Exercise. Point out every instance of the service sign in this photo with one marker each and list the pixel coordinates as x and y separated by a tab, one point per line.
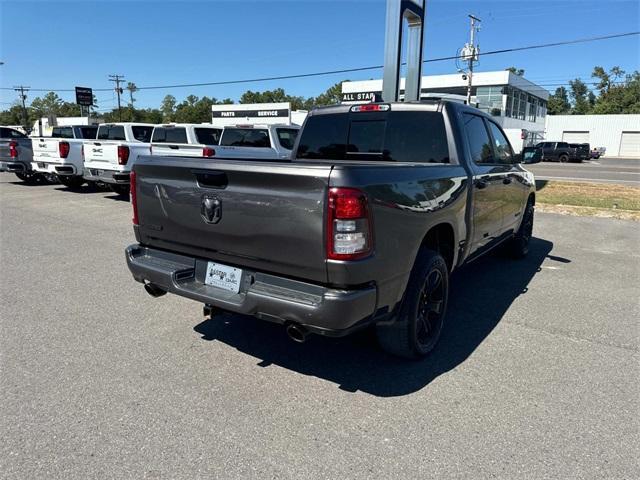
84	96
251	114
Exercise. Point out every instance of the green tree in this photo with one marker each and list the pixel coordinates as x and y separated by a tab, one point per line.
516	71
331	96
579	95
558	103
132	89
168	108
620	98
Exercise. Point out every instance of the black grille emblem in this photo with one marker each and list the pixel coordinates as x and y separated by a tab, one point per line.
211	209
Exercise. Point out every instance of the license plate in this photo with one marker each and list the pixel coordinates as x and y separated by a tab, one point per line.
41	165
222	276
97	173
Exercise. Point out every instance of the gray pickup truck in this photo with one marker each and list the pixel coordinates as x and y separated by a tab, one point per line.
16	153
378	205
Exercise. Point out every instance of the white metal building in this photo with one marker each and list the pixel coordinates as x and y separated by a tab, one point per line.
518	105
619	134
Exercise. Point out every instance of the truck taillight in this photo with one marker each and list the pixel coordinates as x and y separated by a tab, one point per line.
63	149
348	225
13	149
208	152
133	196
123	154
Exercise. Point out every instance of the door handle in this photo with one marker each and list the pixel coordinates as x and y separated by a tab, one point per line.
506	180
174	147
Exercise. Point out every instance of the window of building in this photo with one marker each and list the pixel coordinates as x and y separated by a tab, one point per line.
490	100
533	108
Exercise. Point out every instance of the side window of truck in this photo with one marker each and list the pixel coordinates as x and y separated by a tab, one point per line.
142	133
287	137
479	140
208	136
501	147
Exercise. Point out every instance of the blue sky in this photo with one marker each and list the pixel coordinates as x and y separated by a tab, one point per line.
57	45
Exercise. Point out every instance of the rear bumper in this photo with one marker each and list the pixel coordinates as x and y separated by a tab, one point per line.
322	310
106	176
13	166
58	168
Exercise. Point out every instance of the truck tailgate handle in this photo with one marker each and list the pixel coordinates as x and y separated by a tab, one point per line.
211	178
174	147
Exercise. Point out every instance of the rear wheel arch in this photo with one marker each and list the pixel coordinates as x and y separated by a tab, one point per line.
441	238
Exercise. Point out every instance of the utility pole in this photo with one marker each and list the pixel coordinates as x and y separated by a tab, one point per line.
118	79
23	97
470	53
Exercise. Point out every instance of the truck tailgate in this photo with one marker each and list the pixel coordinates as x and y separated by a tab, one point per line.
266	216
102	151
45	148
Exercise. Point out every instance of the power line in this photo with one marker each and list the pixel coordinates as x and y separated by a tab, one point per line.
352	70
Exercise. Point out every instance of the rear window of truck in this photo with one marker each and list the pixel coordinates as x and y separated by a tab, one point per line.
245	137
111	132
62	132
208	136
88	132
400	136
169	135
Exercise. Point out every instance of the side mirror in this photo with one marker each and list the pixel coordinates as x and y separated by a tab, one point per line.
531	155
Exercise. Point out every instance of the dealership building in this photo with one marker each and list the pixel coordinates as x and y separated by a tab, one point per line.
518	105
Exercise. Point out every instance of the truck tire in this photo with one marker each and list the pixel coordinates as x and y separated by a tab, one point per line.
519	244
120	189
564	158
71	182
416	329
28	177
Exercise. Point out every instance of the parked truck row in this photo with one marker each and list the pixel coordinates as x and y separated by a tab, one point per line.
106	153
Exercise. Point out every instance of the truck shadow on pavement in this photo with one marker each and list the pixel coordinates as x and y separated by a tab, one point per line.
481	293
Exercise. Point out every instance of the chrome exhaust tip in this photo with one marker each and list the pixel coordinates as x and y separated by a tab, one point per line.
297	333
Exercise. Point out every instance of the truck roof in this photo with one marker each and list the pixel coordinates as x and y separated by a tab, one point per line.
126	123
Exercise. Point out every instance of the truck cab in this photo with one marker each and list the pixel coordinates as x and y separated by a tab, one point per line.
108	159
185	139
268	142
61	154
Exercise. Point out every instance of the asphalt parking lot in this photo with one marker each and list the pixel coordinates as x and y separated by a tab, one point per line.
624	171
536	375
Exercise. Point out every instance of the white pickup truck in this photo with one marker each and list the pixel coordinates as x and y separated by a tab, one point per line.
257	141
109	158
61	154
185	140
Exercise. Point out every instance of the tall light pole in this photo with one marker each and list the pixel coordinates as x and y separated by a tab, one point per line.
118	79
470	54
23	97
